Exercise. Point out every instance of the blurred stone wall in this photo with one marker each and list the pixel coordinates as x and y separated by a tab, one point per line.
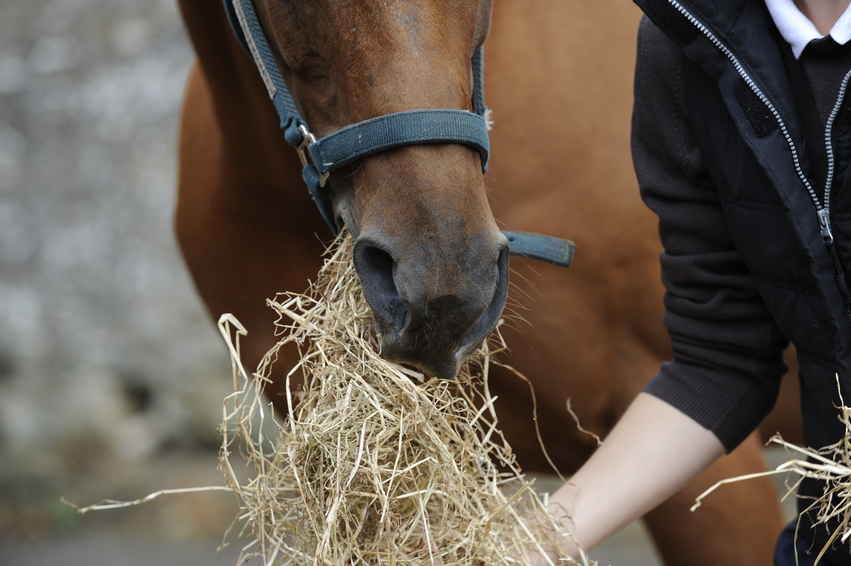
105	352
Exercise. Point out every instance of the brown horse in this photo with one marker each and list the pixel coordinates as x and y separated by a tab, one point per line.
559	80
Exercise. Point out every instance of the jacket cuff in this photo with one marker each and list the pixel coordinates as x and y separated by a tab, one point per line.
730	408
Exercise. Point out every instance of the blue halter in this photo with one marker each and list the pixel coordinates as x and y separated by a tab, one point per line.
320	157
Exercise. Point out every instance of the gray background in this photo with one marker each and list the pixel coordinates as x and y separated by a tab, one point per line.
111	375
104	349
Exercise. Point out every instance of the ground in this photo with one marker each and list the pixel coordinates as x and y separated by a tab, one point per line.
180	530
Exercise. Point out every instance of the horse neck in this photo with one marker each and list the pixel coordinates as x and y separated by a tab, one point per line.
244	116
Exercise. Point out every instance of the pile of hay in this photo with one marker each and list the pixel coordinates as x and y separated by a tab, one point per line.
374	464
831	465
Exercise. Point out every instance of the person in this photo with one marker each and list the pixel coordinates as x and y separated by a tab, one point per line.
741	145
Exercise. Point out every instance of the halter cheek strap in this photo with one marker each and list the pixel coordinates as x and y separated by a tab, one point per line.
320	157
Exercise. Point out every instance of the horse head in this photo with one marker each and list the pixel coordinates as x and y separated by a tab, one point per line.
431	259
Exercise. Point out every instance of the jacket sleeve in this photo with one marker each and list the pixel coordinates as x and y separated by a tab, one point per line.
727	349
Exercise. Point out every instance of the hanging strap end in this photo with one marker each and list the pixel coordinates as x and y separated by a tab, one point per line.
552	250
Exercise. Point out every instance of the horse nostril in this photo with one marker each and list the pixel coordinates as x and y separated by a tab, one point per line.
376	268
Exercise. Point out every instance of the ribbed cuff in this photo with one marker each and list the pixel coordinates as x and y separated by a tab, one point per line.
727	405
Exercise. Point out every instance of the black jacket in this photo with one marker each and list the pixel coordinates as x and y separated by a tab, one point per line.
720	154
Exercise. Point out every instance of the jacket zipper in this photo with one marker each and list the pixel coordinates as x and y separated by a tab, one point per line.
841	278
822	210
828	144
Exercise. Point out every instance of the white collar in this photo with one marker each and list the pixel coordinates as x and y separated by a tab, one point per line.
797	29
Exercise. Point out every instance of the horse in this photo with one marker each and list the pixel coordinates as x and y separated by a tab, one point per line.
427	223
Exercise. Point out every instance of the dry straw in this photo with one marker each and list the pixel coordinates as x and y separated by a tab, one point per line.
374	464
831	465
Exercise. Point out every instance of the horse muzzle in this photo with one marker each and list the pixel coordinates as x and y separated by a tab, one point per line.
428	316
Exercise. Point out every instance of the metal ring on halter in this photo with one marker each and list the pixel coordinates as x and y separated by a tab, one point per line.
308	139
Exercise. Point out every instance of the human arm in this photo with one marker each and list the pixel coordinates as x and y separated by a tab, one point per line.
649	455
727	349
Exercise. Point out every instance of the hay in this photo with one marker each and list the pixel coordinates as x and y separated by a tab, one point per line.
831	464
375	463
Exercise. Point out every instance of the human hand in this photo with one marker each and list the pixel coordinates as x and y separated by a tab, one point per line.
556	545
553	559
538	559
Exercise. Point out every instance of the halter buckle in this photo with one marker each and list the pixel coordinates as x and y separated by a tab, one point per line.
308	139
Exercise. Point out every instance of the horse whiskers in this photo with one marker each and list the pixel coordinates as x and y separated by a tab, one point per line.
515	289
526	278
512	317
517	305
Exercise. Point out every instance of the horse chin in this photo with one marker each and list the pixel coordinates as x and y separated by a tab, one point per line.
442	367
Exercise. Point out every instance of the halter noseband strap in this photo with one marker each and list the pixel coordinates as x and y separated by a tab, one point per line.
320	157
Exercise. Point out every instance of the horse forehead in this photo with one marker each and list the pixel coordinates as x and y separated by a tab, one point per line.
400	10
366	19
